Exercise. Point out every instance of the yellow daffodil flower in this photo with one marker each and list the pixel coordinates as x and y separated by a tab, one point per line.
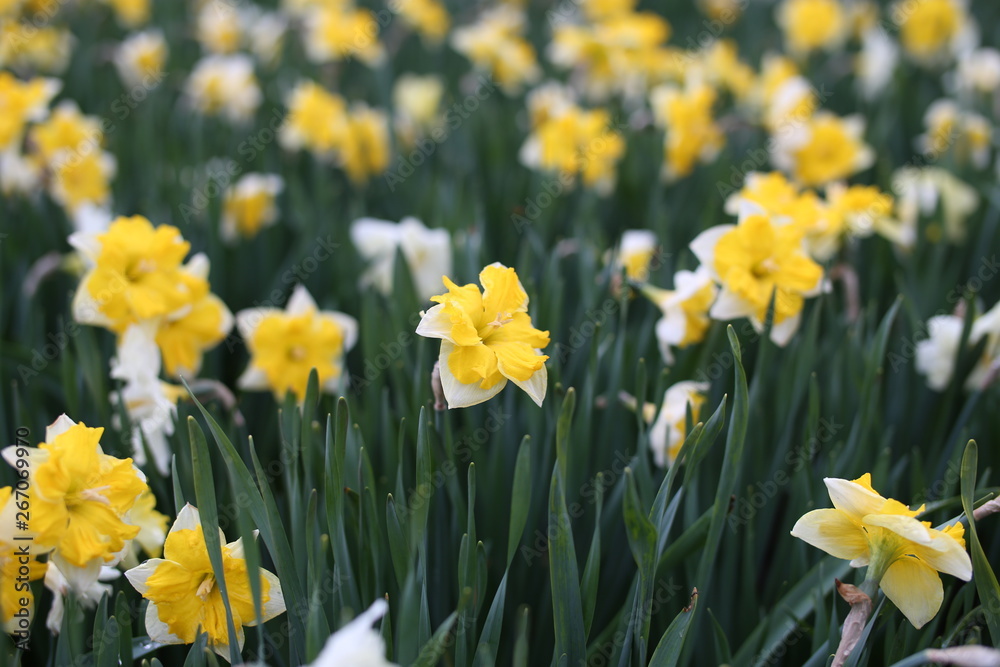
365	149
754	259
495	44
619	52
809	25
218	28
931	29
416	100
66	129
249	206
668	432
41	48
80	498
486	339
141	57
903	554
316	120
635	254
22	102
226	86
685	309
137	274
825	148
859	211
131	13
336	31
429	17
692	134
82	180
577	142
184	595
286	345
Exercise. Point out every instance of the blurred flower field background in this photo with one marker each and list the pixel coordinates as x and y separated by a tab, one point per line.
427	332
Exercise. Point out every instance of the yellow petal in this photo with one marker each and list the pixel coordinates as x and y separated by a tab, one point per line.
833	531
502	291
474	364
914	588
517	361
458	394
854	499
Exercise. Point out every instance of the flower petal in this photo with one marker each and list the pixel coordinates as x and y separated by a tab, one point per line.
348	326
730	307
914	588
535	386
458	394
832	531
703	246
300	302
249	319
435	323
137	576
852	498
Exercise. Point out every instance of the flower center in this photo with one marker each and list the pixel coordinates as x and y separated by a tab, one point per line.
501	319
95	495
296	353
765	268
135	270
207	584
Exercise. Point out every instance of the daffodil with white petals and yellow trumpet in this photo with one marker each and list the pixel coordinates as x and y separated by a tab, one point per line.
903	554
487	339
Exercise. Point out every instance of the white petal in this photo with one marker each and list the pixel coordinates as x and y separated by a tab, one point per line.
86	309
703	246
536	385
435	323
782	332
87	244
253	379
58	427
137	576
730	307
669	331
373	237
348	325
198	266
157	629
275	604
187	519
80	579
301	301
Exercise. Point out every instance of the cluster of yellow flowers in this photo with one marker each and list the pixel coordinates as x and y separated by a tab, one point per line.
773	251
356	138
87	513
84	510
161	308
572	142
61	148
29	45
